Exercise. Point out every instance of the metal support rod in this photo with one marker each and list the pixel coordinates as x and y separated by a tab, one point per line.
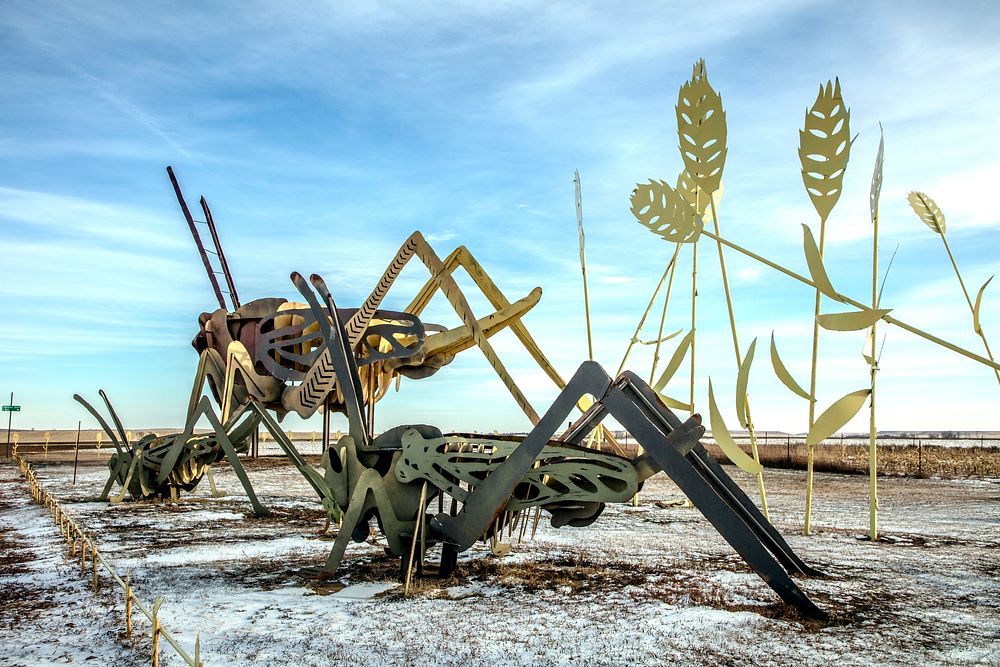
372	388
10	415
326	425
76	455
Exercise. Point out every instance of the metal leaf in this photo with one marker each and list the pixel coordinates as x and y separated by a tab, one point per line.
674	403
975	311
852	321
865	351
725	440
675	362
825	147
783	374
660	340
835	416
742	379
665	212
815	262
876	189
701	129
927	210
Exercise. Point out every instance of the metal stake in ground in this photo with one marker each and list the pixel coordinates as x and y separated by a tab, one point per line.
76	455
10	414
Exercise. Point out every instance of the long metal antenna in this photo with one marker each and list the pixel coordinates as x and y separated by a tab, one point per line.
222	257
197	238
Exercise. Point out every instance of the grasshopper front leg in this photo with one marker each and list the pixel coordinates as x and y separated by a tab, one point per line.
369	492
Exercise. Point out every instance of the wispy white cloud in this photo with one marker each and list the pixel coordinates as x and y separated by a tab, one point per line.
78	218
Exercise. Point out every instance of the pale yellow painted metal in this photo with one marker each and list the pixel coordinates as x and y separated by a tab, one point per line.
873	200
975	310
701	130
725	440
665	212
814	260
853	320
835	416
577	186
673	402
928	211
825	147
742	380
675	361
782	372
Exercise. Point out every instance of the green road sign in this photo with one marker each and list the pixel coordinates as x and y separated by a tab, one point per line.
12	408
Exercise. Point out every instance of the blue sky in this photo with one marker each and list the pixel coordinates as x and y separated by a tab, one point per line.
324	134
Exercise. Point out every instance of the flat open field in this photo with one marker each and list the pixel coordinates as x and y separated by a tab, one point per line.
648	585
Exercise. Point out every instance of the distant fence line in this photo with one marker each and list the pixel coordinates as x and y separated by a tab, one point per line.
897	455
912	456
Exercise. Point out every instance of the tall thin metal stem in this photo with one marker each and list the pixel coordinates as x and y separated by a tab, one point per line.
583	262
972	309
857	304
739	359
645	314
694	304
810	449
872	431
663	315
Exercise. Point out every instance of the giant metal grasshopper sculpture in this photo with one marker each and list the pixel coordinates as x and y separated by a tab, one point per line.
269	351
395	477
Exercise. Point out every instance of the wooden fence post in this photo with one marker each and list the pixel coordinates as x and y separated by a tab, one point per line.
128	605
76	537
156	631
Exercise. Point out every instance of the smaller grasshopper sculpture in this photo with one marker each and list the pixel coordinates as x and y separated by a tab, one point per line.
395	476
163	466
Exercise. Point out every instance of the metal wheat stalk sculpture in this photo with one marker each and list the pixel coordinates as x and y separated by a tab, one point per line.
930	214
702	133
871	357
583	261
676	214
824	149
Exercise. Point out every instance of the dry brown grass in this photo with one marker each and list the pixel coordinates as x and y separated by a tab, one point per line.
914	458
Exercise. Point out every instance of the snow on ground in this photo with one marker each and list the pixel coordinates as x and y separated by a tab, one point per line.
48	612
644	585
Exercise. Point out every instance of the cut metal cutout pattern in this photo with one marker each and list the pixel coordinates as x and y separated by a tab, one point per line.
701	129
666	213
825	147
